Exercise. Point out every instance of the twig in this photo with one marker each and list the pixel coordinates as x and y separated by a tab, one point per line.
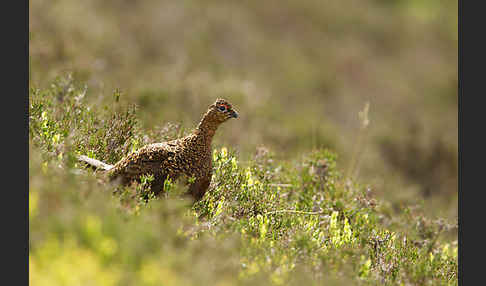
294	212
360	142
280	185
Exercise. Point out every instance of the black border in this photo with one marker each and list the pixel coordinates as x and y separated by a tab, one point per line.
15	151
471	88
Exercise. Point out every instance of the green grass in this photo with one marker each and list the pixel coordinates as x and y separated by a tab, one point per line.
263	221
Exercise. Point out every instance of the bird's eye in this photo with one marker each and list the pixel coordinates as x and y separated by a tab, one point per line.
222	107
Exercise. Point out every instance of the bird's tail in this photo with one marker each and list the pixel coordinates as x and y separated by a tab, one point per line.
94	163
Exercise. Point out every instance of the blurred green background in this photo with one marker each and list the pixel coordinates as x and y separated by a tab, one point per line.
298	72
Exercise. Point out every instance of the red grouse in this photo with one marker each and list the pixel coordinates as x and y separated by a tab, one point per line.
190	156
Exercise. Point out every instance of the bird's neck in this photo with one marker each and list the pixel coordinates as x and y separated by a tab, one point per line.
206	129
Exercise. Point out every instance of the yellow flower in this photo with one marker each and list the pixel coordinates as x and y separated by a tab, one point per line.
234	164
347	231
224	152
219	208
249	179
445	251
56	138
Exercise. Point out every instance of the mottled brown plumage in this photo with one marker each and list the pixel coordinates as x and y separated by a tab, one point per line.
190	156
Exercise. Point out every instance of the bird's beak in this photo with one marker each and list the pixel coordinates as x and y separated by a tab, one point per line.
234	114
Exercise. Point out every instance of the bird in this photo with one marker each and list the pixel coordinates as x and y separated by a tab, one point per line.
190	156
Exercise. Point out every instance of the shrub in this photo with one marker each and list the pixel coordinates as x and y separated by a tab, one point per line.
261	222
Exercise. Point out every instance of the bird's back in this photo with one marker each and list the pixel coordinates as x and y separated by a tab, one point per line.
150	159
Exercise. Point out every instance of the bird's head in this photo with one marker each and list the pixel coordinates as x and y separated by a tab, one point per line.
217	113
221	110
